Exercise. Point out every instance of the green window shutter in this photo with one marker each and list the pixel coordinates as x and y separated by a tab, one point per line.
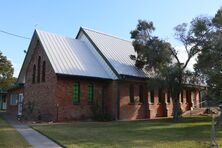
90	93
76	93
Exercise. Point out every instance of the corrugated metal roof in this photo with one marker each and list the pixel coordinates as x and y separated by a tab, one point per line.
117	51
70	56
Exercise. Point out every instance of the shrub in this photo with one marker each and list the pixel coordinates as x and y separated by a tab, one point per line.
99	114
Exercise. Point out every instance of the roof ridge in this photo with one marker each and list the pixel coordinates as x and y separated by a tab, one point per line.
57	34
107	34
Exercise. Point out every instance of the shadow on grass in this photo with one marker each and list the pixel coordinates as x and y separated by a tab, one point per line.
189	132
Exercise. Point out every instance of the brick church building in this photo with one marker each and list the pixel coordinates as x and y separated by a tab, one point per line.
65	77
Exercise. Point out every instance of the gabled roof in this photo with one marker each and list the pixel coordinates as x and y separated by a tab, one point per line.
107	57
117	51
67	56
70	56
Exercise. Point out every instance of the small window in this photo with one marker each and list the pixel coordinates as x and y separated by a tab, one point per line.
131	94
152	96
168	96
43	71
33	74
39	67
76	93
181	96
188	96
161	96
13	99
90	93
141	94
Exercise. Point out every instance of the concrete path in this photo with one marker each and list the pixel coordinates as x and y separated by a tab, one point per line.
34	138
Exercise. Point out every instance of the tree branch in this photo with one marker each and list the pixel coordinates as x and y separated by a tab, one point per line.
175	55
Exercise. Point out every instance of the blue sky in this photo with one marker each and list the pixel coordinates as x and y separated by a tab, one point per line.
116	17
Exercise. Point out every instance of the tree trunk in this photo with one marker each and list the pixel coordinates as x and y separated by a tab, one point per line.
176	90
176	107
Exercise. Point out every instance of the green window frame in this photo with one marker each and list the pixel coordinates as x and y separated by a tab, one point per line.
76	93
90	93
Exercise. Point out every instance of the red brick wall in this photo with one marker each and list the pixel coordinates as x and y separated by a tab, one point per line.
111	99
13	109
166	109
157	109
59	90
186	104
198	100
64	94
136	110
43	93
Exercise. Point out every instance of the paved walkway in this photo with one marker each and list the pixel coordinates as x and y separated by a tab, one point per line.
34	138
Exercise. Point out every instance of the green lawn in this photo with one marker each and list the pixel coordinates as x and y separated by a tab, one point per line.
9	137
188	133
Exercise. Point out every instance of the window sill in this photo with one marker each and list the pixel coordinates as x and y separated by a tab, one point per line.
140	103
133	103
150	103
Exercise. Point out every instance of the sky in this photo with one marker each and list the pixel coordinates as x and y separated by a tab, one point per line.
115	17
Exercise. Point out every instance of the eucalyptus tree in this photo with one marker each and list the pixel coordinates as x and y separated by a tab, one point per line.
160	58
6	72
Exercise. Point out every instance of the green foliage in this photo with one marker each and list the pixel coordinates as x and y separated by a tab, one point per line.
209	62
217	20
151	51
99	114
157	56
29	111
6	72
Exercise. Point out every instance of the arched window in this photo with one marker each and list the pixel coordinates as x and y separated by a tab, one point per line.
43	71
39	67
76	93
141	93
152	96
90	93
33	73
131	93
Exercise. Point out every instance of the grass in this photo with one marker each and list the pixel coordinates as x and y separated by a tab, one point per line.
9	137
188	133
